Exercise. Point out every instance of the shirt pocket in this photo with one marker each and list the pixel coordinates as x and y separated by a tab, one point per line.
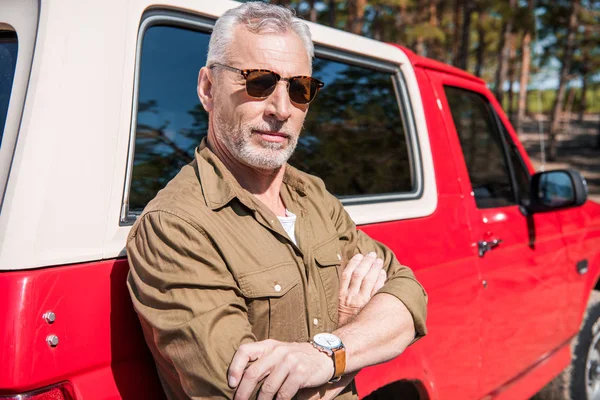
275	299
329	261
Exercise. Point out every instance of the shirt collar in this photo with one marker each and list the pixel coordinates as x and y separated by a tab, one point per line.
219	186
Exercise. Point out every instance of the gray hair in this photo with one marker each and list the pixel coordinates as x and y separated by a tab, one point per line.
258	18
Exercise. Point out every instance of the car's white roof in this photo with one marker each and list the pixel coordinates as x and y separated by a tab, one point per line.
62	202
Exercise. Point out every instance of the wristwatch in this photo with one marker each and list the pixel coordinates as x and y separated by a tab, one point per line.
332	345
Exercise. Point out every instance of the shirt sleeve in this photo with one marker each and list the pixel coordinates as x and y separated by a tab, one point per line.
192	312
401	281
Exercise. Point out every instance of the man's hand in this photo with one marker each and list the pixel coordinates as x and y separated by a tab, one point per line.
361	279
285	368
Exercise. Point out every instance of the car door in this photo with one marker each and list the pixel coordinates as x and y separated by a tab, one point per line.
522	257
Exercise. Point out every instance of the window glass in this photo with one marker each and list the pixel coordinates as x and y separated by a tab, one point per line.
353	136
170	121
8	62
521	173
482	148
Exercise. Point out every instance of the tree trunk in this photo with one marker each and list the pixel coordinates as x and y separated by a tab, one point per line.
421	21
466	35
456	36
524	80
585	70
583	101
512	59
356	13
433	45
332	13
566	117
567	59
377	24
503	53
481	45
312	13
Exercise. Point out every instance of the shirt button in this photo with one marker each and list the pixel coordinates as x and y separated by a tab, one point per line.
316	322
339	257
277	288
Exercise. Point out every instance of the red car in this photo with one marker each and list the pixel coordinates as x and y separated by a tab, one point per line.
98	110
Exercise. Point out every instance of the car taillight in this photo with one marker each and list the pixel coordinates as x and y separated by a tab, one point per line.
62	391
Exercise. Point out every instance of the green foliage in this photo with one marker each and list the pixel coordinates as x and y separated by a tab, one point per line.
409	23
541	101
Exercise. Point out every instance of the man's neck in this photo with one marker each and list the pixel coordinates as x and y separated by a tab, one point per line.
265	185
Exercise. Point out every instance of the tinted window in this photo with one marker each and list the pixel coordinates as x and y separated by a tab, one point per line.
8	62
354	135
170	121
521	173
482	148
353	139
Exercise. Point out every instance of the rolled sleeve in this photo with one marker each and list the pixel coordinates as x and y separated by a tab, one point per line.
401	282
192	313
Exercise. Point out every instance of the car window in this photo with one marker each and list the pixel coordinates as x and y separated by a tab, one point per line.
353	138
521	172
8	62
482	147
170	119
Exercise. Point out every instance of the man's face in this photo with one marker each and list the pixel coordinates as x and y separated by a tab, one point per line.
259	133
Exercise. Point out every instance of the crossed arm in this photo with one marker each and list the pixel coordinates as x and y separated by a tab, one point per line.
374	334
178	329
377	333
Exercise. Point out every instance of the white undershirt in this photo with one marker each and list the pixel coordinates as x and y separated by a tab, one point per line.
289	223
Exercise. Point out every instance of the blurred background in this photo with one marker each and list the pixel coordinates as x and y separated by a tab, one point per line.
541	58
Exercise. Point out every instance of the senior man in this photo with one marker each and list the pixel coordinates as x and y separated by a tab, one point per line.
248	277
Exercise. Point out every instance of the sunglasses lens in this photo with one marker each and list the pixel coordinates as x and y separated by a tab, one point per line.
260	84
303	90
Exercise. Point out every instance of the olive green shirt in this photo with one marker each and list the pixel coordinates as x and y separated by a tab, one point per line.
212	268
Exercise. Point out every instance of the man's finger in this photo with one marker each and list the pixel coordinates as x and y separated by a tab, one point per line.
347	274
245	354
271	385
260	369
371	278
293	383
380	282
360	271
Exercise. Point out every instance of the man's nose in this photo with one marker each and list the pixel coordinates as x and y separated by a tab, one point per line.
278	103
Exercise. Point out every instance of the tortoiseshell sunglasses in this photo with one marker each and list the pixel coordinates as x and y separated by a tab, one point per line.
260	83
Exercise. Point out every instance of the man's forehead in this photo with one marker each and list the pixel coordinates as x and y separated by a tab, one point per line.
281	52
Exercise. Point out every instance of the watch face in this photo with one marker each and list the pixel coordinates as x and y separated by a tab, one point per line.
327	340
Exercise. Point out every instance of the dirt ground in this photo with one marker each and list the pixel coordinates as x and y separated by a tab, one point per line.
578	147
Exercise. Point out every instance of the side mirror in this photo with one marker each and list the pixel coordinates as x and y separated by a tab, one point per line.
555	190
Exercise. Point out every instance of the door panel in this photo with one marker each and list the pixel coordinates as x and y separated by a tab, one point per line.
523	262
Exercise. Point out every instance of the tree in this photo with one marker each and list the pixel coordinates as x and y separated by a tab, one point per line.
331	14
504	49
481	41
512	60
563	79
468	9
356	13
456	35
586	58
529	26
312	11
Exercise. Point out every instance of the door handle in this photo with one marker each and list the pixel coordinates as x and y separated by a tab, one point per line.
486	245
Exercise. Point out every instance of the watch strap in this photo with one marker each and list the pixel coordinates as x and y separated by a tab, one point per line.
338	356
339	363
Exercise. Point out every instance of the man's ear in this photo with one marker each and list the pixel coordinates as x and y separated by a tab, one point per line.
205	87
